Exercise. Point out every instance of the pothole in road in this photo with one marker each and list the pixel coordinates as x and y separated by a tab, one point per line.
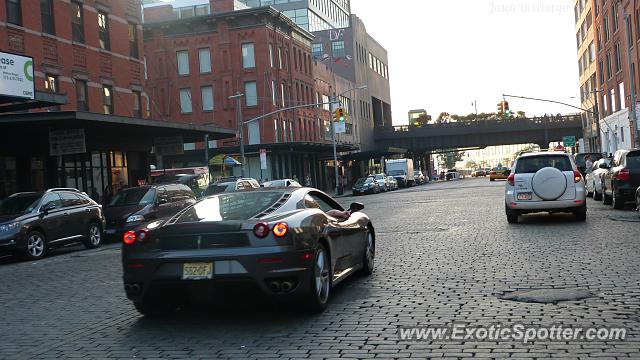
548	296
625	218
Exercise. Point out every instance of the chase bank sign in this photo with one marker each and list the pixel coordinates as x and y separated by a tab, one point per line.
16	76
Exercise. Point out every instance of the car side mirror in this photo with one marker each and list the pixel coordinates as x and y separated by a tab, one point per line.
48	207
162	201
356	207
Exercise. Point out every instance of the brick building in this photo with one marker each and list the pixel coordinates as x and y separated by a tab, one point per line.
195	63
612	69
90	53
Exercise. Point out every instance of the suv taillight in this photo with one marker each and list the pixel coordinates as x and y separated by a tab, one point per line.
623	175
577	176
511	179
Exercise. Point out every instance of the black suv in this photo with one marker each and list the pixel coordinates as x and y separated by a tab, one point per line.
622	178
134	206
33	222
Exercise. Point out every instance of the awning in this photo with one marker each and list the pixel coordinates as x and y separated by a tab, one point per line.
221	159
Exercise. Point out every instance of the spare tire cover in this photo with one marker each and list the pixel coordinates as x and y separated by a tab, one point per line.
549	183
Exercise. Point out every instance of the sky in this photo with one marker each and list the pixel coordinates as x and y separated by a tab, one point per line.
444	55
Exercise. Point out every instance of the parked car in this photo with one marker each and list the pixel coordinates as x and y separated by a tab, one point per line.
638	200
392	183
31	223
581	161
232	185
366	185
287	242
382	181
282	183
621	179
451	174
418	177
500	173
594	178
196	182
545	181
134	206
479	173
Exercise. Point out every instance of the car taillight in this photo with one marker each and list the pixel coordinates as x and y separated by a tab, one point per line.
623	175
577	176
280	229
129	238
261	230
511	179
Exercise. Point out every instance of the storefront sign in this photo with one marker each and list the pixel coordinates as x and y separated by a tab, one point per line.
66	142
16	76
170	145
263	159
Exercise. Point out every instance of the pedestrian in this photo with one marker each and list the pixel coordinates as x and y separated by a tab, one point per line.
307	181
588	164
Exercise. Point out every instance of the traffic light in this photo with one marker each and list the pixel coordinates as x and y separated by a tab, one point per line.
500	107
339	115
505	107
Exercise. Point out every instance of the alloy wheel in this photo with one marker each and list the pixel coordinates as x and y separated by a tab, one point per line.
35	245
370	252
94	235
322	276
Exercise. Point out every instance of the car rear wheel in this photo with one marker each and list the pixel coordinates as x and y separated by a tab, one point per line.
512	216
368	258
581	213
616	201
606	199
320	281
596	195
94	236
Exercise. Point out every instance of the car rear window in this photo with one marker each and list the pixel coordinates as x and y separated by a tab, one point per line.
633	160
231	206
534	163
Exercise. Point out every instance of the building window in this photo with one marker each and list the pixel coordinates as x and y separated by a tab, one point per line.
618	58
133	40
317	51
185	101
107	99
601	67
609	73
202	10
282	93
77	22
14	12
279	58
271	55
51	83
614	15
204	58
183	62
206	92
248	56
273	92
46	15
137	104
250	93
81	95
337	48
606	28
103	30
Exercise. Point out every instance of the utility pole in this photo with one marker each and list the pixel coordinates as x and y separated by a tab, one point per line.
206	152
238	96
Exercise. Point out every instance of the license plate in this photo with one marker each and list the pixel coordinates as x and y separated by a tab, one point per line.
524	196
197	271
110	231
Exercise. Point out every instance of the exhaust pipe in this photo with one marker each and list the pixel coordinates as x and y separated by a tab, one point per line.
286	286
274	286
132	289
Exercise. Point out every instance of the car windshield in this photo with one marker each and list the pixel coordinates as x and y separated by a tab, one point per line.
231	206
216	189
534	163
396	172
379	177
134	196
633	160
19	204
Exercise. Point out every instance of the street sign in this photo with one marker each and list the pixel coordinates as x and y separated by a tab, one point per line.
569	141
263	159
16	76
340	127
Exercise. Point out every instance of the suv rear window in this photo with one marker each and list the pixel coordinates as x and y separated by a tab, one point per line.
534	163
633	160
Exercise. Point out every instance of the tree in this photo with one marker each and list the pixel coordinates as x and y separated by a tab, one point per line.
422	120
443	117
449	159
471	164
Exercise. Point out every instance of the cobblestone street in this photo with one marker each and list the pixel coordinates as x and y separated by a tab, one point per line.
445	254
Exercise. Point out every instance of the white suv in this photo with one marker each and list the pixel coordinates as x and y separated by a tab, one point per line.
545	181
